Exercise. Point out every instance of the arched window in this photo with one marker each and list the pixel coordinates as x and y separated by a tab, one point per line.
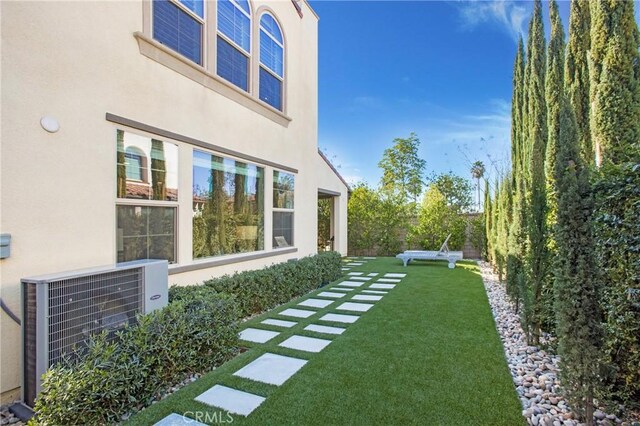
271	61
136	164
234	41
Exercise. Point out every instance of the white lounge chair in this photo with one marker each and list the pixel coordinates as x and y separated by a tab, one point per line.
442	254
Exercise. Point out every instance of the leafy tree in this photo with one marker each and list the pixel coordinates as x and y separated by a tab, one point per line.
576	286
392	217
363	226
403	169
537	256
437	219
577	73
456	190
477	172
324	222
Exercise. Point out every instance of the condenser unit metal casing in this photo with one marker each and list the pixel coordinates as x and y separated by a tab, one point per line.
60	311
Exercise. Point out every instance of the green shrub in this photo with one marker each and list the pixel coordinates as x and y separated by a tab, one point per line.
258	291
191	335
617	220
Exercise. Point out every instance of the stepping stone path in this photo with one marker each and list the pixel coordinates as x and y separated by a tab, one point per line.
279	323
276	369
298	313
256	335
316	303
347	319
356	307
304	343
271	369
351	283
384	286
361	278
355	264
330	294
232	400
174	419
324	329
373	292
366	297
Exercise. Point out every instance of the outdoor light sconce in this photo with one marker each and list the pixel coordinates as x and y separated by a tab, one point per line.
50	124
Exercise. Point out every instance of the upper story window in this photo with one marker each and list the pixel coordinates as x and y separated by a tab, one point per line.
178	24
271	61
234	42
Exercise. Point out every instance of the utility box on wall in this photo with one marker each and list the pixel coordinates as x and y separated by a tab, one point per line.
5	246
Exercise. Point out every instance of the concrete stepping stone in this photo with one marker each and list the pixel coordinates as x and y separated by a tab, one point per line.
375	292
355	264
356	273
373	274
360	278
298	313
256	335
346	269
395	275
279	323
304	343
388	280
347	319
174	419
231	400
324	329
350	283
382	286
369	258
316	303
368	297
271	369
356	307
330	294
342	289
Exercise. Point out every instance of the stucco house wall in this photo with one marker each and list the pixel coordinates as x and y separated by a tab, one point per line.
94	67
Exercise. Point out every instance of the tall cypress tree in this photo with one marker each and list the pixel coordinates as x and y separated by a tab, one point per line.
488	221
576	294
515	238
616	97
576	74
536	260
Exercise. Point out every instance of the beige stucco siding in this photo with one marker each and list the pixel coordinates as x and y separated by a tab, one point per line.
78	61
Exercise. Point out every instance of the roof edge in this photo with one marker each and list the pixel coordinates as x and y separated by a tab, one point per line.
326	160
311	9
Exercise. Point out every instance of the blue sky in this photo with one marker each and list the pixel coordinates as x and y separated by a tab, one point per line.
441	69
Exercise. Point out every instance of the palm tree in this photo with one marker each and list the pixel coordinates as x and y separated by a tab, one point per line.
477	171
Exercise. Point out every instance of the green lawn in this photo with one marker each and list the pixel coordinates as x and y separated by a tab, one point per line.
427	353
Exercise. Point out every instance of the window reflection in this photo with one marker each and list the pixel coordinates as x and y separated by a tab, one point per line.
228	200
146	233
283	184
147	168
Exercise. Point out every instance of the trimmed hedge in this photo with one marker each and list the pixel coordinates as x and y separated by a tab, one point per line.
163	348
264	289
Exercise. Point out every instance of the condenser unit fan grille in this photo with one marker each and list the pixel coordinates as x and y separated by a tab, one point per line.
82	306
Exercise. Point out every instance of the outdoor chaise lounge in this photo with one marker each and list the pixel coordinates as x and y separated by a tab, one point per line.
442	254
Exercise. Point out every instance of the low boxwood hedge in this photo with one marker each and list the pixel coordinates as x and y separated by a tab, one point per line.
264	289
128	373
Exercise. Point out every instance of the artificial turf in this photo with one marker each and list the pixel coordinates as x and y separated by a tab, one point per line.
427	353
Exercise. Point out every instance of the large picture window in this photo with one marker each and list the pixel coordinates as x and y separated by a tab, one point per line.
228	206
147	191
283	192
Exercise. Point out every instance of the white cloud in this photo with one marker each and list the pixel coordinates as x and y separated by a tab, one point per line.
509	14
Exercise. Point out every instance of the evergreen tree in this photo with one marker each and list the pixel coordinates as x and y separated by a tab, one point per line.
616	97
488	221
576	302
576	74
537	258
515	237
